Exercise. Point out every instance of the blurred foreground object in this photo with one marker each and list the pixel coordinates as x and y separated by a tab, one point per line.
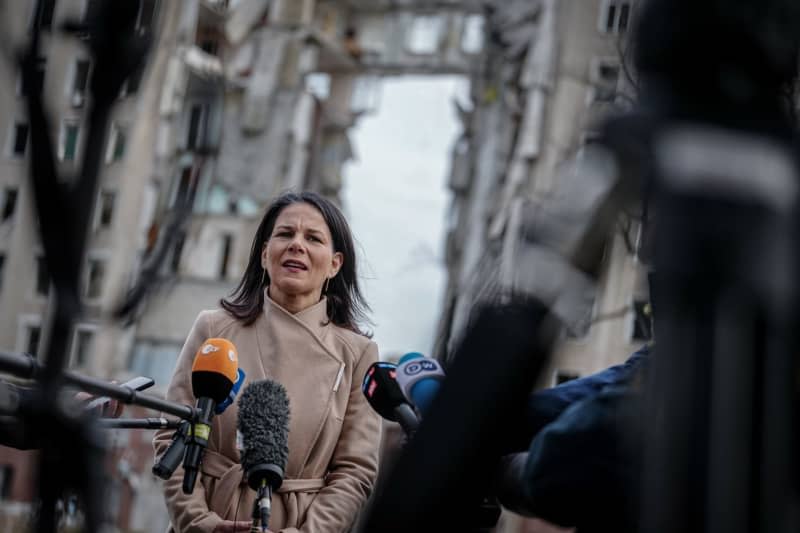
72	452
716	135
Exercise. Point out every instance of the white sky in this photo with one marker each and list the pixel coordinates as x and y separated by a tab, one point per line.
396	199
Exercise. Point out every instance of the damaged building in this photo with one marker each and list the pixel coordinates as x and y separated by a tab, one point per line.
525	170
242	99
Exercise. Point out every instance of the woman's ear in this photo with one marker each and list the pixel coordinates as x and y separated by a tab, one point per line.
264	261
336	263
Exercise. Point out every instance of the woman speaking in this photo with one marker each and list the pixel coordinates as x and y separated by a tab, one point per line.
294	319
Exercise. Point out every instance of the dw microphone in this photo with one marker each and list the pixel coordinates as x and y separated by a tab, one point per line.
384	395
419	378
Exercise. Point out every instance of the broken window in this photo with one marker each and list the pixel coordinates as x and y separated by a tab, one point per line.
616	16
472	36
366	94
81	346
9	203
187	187
207	40
563	376
106	209
606	81
116	144
318	84
424	34
68	146
38	78
19	141
147	14
43	14
196	130
32	336
94	278
80	82
42	277
131	85
642	321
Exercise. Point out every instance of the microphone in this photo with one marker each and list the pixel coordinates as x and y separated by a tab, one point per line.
263	421
214	372
419	378
165	466
240	375
384	395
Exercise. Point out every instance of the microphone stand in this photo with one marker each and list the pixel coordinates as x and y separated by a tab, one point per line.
27	367
138	423
263	478
64	212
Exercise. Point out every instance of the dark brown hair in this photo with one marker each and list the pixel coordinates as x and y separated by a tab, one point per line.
346	305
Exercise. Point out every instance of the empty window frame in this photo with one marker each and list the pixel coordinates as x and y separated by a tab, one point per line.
68	140
43	14
116	143
642	327
131	85
38	78
186	189
563	376
95	275
18	139
32	336
472	34
80	82
10	195
42	282
615	16
105	209
425	34
606	80
82	342
146	16
196	127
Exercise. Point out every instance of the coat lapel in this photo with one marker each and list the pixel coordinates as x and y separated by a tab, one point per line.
293	352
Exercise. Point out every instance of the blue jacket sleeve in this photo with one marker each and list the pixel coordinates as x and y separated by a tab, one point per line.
545	406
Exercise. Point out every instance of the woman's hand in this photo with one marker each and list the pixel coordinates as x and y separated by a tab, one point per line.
229	526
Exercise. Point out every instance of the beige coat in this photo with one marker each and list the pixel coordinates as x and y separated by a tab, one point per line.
334	435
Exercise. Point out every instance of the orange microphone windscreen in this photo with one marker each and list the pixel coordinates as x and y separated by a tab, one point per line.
214	369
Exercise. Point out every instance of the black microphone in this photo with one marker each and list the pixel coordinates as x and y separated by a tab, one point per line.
165	466
263	421
214	372
386	398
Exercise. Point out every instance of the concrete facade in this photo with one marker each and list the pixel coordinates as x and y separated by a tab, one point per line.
243	99
526	144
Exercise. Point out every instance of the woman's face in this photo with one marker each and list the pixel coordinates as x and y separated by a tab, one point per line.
299	257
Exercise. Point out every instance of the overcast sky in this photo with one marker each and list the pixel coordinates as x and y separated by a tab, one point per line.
396	199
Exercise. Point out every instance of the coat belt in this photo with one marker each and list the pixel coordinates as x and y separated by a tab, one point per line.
229	474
